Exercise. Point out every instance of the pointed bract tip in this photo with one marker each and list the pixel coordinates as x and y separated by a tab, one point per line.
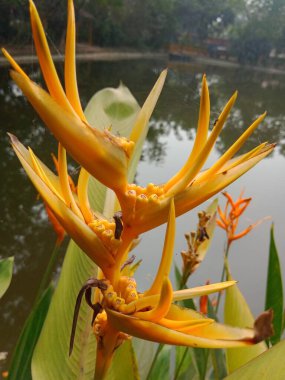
164	72
14	140
262	116
32	5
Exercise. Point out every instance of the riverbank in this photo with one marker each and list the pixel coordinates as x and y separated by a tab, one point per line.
26	54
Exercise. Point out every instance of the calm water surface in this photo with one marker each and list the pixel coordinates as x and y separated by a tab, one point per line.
26	234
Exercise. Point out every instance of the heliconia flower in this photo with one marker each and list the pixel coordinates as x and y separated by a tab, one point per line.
153	316
107	157
229	218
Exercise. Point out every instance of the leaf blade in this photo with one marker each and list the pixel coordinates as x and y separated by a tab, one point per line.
237	313
20	367
269	365
274	289
6	272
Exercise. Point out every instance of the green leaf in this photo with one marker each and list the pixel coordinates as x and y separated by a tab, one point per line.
184	366
274	290
6	271
20	367
162	365
51	360
178	276
237	313
145	351
113	107
122	367
201	359
269	365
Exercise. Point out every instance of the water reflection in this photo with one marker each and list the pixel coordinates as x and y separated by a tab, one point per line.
24	229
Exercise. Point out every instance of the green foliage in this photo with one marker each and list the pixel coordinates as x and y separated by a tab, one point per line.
145	352
161	368
218	357
269	365
237	313
6	272
274	290
184	366
20	367
252	27
124	365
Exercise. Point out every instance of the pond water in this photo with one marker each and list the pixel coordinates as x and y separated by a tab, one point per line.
26	234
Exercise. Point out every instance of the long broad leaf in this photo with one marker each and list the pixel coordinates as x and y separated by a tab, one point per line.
161	368
274	290
6	271
51	360
269	365
145	351
124	364
20	368
184	367
237	313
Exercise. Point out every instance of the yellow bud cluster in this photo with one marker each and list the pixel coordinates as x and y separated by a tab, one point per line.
149	190
105	230
99	326
127	145
142	196
126	293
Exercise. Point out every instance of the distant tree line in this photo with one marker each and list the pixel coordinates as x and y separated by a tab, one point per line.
253	27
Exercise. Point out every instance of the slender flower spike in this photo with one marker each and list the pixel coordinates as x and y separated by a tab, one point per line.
229	218
107	157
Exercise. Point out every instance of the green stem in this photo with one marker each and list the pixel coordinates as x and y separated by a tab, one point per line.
180	364
48	273
159	348
226	254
